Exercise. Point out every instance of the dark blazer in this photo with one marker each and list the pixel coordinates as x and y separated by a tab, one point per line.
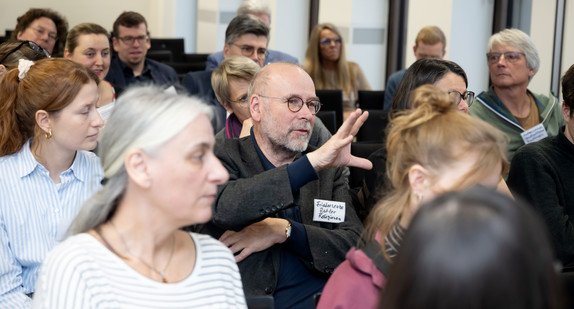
161	74
198	83
253	194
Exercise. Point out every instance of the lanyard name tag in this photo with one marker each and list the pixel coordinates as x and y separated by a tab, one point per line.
534	134
329	211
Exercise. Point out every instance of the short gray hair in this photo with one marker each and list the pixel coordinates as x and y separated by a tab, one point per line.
520	40
145	118
254	7
245	24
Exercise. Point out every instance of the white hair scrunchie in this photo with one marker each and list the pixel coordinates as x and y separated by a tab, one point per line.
23	67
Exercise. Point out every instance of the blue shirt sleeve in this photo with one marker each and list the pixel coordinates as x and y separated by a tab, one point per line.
297	242
300	173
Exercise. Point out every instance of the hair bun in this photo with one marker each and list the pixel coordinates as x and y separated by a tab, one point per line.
436	99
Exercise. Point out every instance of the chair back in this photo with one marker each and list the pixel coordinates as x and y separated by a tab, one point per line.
332	100
361	150
371	99
176	46
329	119
260	302
373	129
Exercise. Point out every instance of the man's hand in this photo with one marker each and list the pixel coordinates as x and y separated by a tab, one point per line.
256	237
337	150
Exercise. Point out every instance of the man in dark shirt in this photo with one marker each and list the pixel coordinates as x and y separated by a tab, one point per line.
131	42
543	173
286	212
246	36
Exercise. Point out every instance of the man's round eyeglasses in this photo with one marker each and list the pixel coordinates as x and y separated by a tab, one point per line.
295	103
131	39
468	96
247	51
35	47
511	56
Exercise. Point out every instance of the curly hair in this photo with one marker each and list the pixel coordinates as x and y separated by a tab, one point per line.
24	21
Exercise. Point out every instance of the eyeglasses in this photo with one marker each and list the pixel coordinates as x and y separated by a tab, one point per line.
130	39
241	101
247	51
295	103
41	31
329	41
468	96
35	47
510	56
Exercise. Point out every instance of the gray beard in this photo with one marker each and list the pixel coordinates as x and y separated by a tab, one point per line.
285	144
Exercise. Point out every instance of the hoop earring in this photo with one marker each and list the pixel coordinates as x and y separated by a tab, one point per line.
48	134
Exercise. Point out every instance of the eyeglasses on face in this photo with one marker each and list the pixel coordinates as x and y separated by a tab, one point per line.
468	96
35	47
247	51
329	41
131	39
41	31
241	101
295	103
511	56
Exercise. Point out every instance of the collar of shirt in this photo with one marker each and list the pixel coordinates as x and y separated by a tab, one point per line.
27	164
128	72
267	165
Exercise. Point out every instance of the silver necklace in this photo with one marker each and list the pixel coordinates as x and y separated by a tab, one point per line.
162	272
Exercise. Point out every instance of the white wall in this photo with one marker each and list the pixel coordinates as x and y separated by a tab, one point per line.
568	48
185	23
160	14
468	40
542	33
289	25
467	26
356	20
426	13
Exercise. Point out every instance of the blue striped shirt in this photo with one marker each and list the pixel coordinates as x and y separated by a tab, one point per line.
35	214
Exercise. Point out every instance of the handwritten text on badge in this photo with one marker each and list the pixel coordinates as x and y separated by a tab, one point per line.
329	211
534	134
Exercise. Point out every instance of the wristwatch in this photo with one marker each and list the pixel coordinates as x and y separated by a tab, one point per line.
288	230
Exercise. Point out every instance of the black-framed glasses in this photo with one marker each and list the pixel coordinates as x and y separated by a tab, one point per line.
468	96
247	51
329	41
131	39
35	47
295	103
510	56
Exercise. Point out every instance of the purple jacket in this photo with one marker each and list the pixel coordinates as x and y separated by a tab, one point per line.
356	283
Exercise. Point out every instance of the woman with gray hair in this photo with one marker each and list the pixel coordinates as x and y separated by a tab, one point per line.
160	175
508	105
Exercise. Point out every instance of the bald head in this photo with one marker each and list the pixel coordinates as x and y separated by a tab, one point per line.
276	72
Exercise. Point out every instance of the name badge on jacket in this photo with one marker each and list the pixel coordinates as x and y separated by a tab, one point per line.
534	134
329	211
